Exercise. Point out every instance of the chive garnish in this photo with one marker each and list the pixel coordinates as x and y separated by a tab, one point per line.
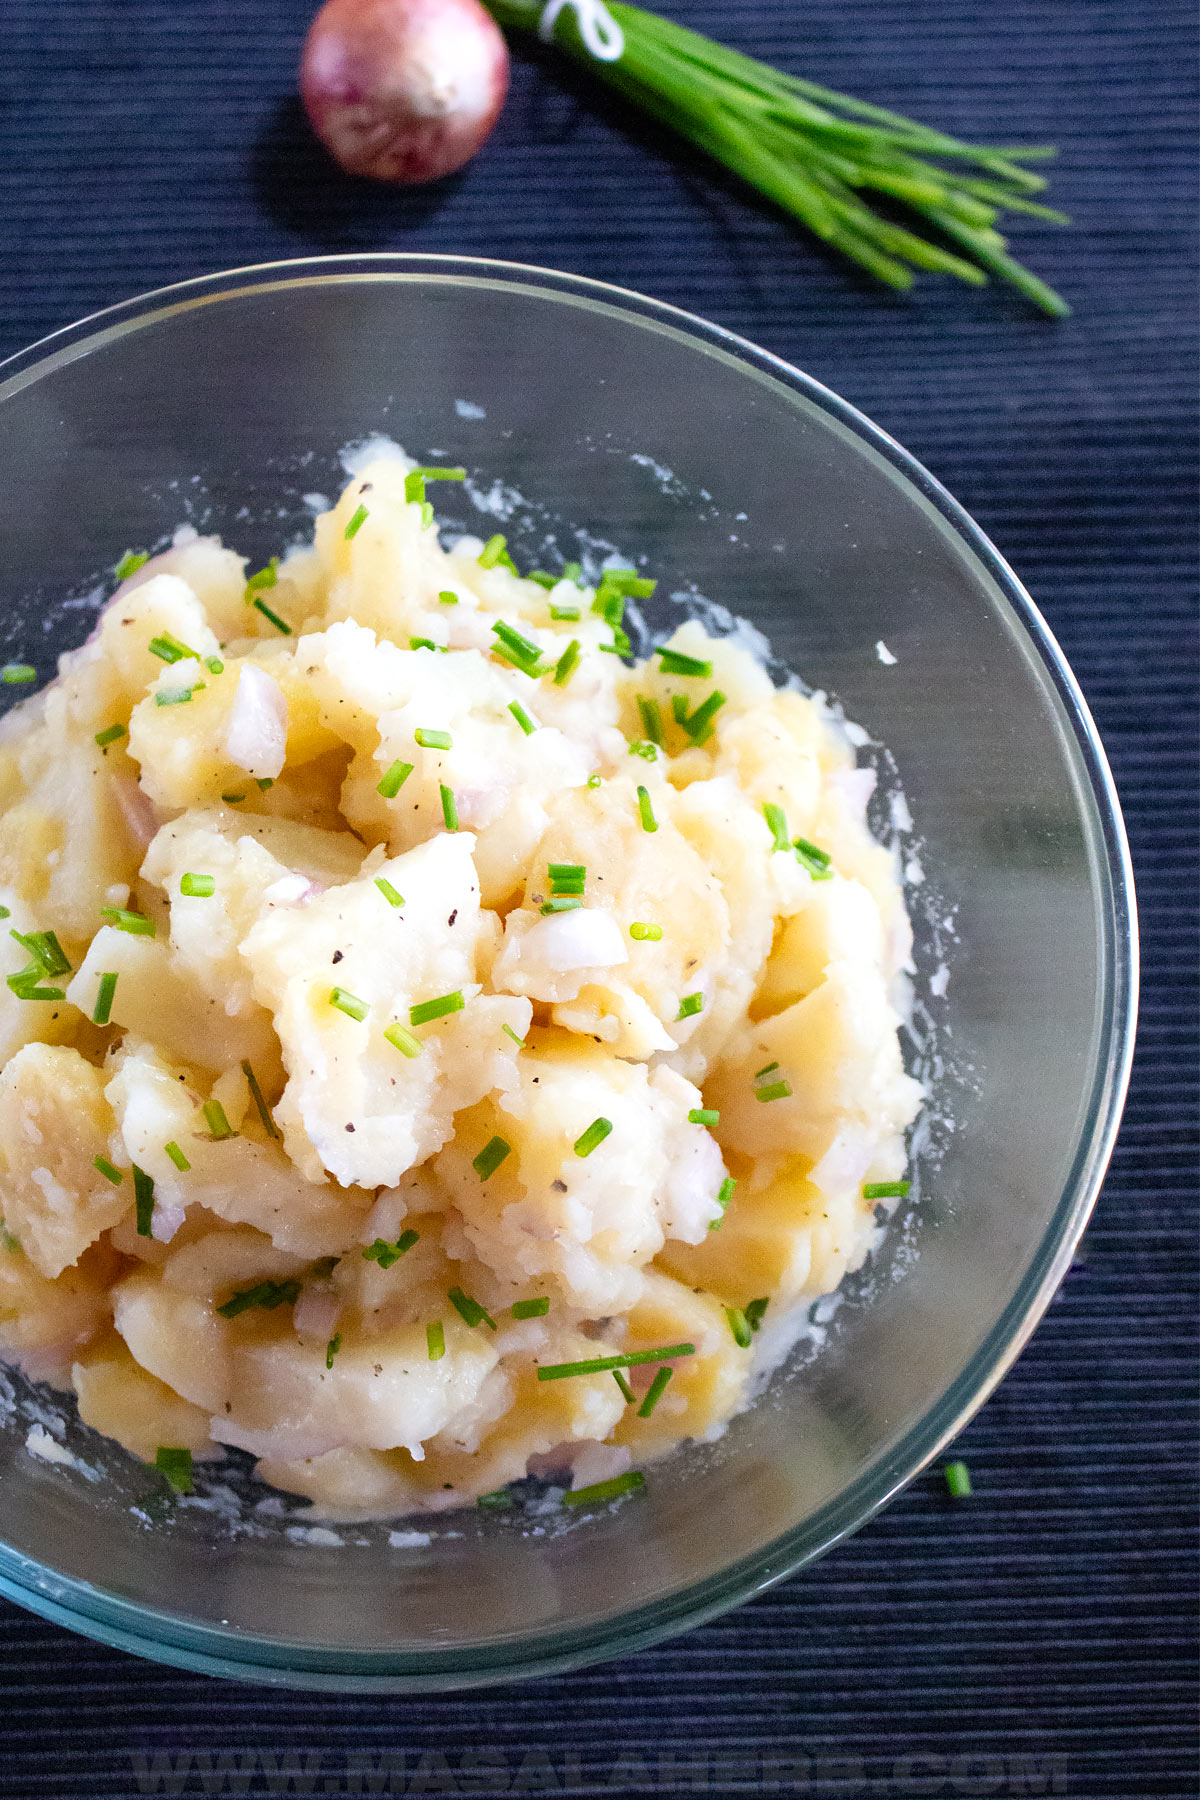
447	597
703	1115
573	571
509	1032
170	649
495	552
886	1190
738	1326
323	1268
724	1196
233	799
214	665
601	1365
814	859
17	674
470	1310
595	781
197	887
435	1340
414	487
263	782
624	1386
560	903
767	1069
567	878
426	514
264	1294
531	1309
689	1006
651	717
543	579
45	949
109	735
176	1466
449	807
565	665
357	520
568	615
256	1094
699	725
428	1010
402	1039
332	1348
643	933
433	740
646	750
605	1490
754	1310
422	643
349	1003
490	1157
496	1501
646	811
625	584
130	563
958	1480
263	578
175	696
143	1198
25	985
136	924
390	894
654	1392
386	1254
528	725
778	1090
214	1117
674	662
594	1136
108	1171
394	780
273	617
521	647
177	1157
777	825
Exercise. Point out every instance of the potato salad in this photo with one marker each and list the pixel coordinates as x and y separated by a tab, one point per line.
436	1046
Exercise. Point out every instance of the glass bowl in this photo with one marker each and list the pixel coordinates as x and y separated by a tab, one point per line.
225	401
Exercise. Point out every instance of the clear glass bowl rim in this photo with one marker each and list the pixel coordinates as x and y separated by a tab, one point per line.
167	1638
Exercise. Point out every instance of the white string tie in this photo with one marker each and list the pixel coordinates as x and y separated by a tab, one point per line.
601	34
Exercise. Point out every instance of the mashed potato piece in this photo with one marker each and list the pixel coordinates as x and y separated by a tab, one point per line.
407	998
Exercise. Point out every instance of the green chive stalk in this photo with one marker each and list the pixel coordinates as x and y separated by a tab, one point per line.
822	156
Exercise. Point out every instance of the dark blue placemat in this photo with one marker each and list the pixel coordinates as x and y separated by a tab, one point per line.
1038	1640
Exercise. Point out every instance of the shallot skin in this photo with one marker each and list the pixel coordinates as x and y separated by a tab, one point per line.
403	90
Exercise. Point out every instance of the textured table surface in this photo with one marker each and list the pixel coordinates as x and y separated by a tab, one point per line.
1040	1638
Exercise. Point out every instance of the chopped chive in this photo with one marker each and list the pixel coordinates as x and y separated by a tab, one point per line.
646	811
543	579
174	696
8	1241
675	663
509	1032
214	1117
263	578
274	618
324	1266
449	807
679	710
136	924
233	799
143	1198
435	1340
332	1348
109	735
357	520
605	1490
5	912
573	571
45	949
767	1069
197	887
601	1365
420	643
594	1136
390	894
561	903
698	725
655	1391
394	780
433	740
738	1326
568	615
595	781
442	474
402	1039
176	1466
528	725
494	551
689	1006
778	1090
812	851
177	1157
386	1254
644	933
754	1310
490	1157
170	649
521	647
565	665
495	1501
531	1309
624	1386
724	1196
428	1010
350	1004
625	583
958	1480
470	1310
447	597
567	871
651	717
703	1115
130	563
414	488
214	665
886	1190
647	751
777	825
263	782
426	515
108	1171
256	1094
265	1294
25	985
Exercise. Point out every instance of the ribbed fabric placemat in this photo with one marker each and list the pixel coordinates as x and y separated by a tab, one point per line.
1040	1639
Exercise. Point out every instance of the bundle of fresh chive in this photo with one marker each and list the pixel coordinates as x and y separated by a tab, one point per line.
817	153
